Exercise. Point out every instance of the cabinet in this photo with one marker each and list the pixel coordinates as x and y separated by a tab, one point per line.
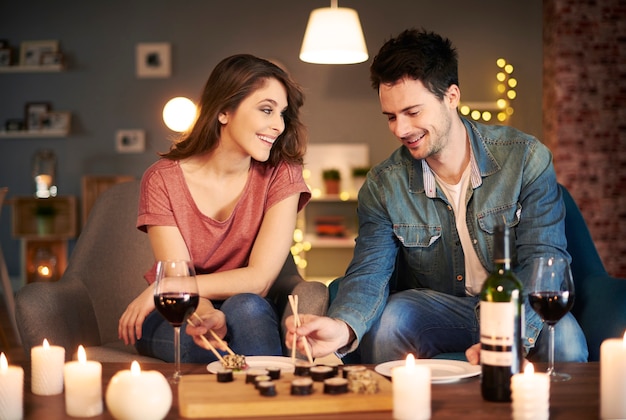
327	254
44	227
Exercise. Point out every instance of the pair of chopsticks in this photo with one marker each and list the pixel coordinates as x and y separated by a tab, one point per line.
208	343
293	301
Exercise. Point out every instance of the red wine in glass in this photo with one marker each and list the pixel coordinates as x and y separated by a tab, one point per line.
551	306
175	298
176	307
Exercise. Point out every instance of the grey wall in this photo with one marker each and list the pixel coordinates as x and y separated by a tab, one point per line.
103	94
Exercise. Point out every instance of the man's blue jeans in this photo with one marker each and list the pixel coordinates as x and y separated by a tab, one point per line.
253	329
426	323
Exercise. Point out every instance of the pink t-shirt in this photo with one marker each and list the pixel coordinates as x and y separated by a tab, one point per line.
215	245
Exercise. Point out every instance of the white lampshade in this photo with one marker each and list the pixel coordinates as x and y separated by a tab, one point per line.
179	113
333	36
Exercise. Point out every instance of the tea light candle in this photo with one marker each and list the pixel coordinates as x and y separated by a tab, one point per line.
11	390
613	378
137	394
530	393
83	386
411	390
47	369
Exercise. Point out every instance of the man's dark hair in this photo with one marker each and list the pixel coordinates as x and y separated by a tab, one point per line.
418	55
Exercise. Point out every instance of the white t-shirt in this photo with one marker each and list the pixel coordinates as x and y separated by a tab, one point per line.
475	273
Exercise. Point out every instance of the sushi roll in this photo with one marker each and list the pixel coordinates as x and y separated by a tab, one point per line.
319	373
302	368
266	388
335	386
225	375
347	369
302	386
253	373
261	378
274	372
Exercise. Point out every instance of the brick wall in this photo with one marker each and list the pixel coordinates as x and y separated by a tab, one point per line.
584	122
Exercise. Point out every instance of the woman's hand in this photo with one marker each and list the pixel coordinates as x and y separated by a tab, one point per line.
473	354
131	321
212	319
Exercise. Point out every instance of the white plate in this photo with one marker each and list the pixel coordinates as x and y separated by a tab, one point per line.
259	362
442	371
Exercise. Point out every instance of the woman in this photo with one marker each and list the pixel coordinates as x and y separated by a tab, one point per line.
226	197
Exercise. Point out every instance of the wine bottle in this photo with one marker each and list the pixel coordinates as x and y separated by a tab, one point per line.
500	322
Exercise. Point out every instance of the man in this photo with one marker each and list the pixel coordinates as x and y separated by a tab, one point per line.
427	216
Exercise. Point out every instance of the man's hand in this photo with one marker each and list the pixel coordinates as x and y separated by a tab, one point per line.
324	335
473	354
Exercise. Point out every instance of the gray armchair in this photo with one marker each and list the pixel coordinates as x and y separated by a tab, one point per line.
104	273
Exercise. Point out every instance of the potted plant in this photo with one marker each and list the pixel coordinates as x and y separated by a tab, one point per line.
332	180
358	177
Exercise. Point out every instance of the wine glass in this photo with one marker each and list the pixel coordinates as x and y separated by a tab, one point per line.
176	298
551	295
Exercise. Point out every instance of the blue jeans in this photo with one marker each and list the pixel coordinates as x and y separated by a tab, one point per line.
426	323
253	330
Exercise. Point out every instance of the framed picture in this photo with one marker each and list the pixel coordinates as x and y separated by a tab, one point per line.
31	51
130	141
56	121
5	57
49	58
14	124
153	60
34	115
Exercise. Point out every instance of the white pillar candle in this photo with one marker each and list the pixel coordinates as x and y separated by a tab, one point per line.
83	386
47	369
530	393
613	378
11	390
411	391
137	394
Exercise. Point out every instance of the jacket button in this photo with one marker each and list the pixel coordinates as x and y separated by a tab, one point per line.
459	277
531	340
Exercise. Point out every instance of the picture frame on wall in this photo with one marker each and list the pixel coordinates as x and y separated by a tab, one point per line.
153	60
51	58
34	115
5	57
57	121
31	51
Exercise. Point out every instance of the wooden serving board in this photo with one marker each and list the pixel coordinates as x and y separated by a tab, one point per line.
202	396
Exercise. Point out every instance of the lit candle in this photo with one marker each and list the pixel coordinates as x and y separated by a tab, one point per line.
47	369
613	378
137	394
411	390
530	393
11	390
83	386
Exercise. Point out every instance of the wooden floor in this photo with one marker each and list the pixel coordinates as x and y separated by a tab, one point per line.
8	338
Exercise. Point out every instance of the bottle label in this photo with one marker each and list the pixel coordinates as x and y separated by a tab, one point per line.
496	333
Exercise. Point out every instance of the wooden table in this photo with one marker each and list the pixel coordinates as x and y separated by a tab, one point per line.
574	399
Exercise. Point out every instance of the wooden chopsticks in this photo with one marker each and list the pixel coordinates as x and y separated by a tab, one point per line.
293	301
208	344
217	337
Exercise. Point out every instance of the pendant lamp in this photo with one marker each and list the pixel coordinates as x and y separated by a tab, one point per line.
333	36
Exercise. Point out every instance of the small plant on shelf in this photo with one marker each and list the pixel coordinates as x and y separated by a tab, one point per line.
332	179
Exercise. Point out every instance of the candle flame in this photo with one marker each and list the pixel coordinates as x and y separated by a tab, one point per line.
624	339
410	361
82	356
4	364
46	345
529	369
135	369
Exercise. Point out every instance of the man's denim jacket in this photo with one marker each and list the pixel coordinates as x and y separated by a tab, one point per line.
409	240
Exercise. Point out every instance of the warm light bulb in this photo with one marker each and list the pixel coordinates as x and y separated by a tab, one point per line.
179	114
500	62
512	82
486	115
511	94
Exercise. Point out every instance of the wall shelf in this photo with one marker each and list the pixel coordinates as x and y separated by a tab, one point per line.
39	134
49	68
